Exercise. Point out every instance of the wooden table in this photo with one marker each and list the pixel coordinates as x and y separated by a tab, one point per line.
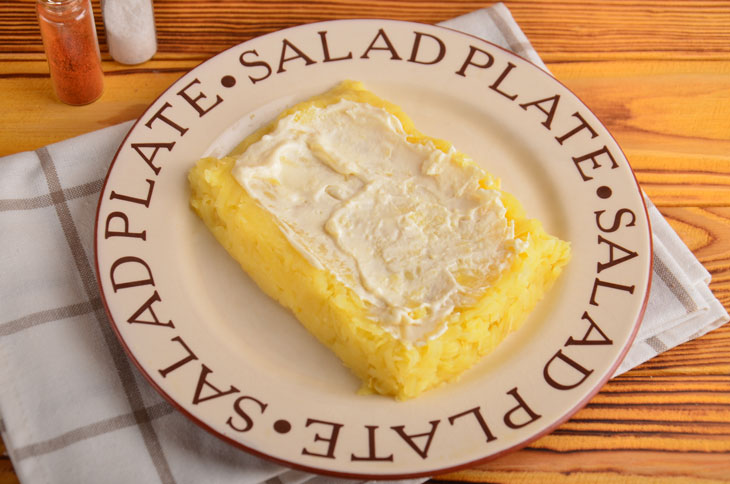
656	72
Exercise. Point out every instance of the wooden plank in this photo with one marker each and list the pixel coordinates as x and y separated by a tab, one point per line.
7	474
706	231
619	467
561	30
679	160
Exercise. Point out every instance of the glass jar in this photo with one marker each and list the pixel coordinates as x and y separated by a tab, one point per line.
72	49
130	30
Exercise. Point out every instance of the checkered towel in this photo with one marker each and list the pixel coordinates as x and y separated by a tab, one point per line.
73	408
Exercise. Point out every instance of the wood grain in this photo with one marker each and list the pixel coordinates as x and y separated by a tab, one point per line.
667	117
560	30
7	474
656	72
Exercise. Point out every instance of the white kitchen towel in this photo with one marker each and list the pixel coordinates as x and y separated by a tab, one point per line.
73	408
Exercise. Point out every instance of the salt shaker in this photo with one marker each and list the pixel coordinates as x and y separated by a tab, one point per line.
72	49
130	30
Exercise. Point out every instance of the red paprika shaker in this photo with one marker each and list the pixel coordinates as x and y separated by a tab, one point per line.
72	49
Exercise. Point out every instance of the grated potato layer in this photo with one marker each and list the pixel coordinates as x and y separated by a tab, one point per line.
333	313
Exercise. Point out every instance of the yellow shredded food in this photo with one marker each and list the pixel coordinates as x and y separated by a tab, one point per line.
334	313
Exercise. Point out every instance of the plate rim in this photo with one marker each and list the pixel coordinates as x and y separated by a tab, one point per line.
598	385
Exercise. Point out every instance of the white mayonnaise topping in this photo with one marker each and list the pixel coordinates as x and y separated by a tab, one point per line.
411	232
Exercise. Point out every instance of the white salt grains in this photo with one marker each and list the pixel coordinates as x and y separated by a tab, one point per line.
130	30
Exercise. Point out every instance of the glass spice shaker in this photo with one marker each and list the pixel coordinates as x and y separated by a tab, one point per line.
130	30
72	49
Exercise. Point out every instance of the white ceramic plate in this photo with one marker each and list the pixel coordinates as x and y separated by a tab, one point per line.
243	368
